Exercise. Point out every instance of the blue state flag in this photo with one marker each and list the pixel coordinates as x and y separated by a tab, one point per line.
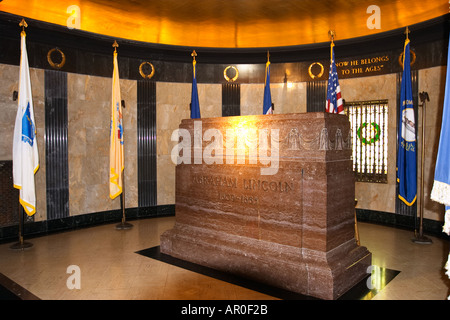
406	158
25	151
441	186
195	105
267	104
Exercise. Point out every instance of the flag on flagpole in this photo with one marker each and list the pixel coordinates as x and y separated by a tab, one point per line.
441	186
406	158
25	151
195	105
267	103
116	157
334	99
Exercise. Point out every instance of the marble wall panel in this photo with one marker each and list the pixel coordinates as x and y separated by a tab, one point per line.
89	112
432	81
289	98
172	105
252	96
376	196
38	91
10	82
286	99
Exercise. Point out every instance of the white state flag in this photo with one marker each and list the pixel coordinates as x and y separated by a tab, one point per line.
25	151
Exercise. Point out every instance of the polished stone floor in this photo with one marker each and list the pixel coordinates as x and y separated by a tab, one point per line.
110	267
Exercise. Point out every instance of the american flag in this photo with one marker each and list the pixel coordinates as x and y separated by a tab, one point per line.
334	99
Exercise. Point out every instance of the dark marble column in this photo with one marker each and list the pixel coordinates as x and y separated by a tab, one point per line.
56	148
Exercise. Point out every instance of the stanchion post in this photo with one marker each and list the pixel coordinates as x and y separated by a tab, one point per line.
420	237
21	245
123	225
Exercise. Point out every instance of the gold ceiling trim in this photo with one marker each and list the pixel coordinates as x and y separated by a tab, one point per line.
231	23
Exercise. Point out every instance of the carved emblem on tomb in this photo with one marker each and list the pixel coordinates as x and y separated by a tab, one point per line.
294	141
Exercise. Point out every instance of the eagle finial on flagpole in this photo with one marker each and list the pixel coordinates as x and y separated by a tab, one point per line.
23	24
194	54
331	34
115	45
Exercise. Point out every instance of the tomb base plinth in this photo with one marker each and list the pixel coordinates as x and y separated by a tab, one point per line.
292	226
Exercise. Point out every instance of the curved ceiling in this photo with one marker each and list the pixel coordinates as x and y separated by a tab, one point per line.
231	23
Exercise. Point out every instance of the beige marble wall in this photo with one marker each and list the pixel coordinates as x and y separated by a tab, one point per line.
376	196
9	76
381	197
89	115
432	81
89	112
285	99
172	105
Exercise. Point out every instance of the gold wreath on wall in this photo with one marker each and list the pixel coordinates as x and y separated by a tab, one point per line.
313	75
53	64
228	78
141	71
413	58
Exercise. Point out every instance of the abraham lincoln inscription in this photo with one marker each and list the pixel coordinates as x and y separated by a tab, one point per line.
270	198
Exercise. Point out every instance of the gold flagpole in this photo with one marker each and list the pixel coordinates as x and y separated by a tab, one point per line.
332	34
21	245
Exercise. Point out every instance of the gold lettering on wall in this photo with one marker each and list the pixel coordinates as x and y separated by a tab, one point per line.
362	65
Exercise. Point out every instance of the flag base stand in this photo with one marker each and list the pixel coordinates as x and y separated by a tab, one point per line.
21	245
421	239
124	226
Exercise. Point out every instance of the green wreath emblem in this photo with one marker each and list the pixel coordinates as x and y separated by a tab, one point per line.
372	140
